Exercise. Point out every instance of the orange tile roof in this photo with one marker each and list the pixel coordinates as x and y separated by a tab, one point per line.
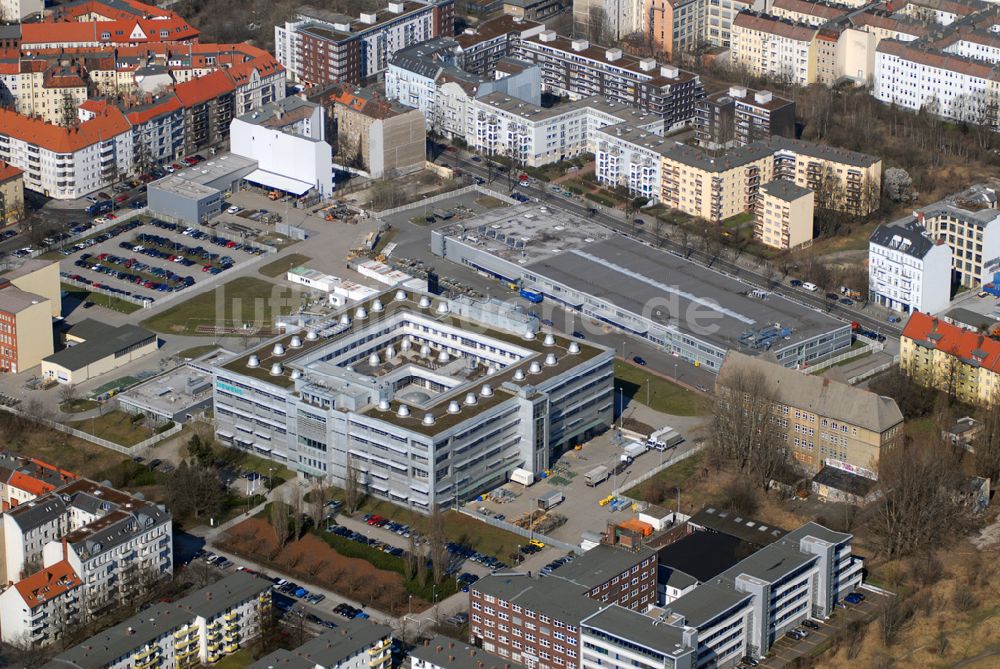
48	583
120	32
964	344
8	172
164	106
29	483
109	123
102	9
203	89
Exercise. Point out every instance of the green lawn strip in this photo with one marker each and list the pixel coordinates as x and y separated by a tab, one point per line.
672	477
281	265
257	301
116	426
108	301
664	395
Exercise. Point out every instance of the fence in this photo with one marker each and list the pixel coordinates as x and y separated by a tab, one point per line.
96	230
209	282
475	188
867	374
131	451
869	347
527	534
673	460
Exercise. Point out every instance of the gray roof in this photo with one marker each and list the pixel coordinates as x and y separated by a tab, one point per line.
14	300
785	190
639	629
839	479
703	555
27	267
818	394
632	276
426	58
963	316
772	562
707	602
818	531
905	235
448	653
601	564
329	649
100	343
104	649
747	529
832	153
38	512
675	578
702	159
554	597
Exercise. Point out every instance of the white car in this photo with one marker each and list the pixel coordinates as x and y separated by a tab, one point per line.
233	210
169	168
811	287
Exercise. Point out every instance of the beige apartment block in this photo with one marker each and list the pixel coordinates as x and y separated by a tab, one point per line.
826	423
784	215
771	47
843	180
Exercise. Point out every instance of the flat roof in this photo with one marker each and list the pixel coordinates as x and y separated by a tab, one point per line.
27	267
747	529
636	628
550	596
447	653
600	564
177	185
110	341
14	300
632	276
707	602
839	479
172	391
785	190
532	112
217	166
704	555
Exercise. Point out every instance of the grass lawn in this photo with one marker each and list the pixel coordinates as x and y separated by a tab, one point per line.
116	426
79	405
738	220
664	395
384	239
82	295
490	202
260	465
282	265
238	660
197	351
243	300
67	452
671	477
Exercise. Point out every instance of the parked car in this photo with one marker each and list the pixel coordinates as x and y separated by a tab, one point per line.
639	360
811	624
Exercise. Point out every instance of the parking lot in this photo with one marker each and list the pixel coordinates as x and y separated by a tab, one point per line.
142	258
581	509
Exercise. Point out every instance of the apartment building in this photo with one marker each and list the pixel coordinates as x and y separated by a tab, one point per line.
318	399
483	46
784	215
739	115
826	423
203	627
678	26
536	621
808	12
11	194
29	299
699	184
115	543
354	644
776	48
42	608
534	10
950	358
385	136
619	18
843	180
319	48
630	157
941	12
533	135
16	11
577	69
950	85
23	479
907	266
427	77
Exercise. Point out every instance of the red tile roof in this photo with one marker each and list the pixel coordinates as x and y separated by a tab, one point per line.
104	126
131	31
959	342
164	106
8	172
48	583
203	89
29	483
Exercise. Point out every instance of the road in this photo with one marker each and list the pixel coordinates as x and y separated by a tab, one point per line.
737	269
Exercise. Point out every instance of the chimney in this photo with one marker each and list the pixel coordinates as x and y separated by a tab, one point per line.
65	545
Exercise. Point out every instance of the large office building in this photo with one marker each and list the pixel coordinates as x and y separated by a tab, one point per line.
692	312
319	48
199	629
907	267
826	423
578	69
430	401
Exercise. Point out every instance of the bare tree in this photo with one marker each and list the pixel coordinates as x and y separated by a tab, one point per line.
68	394
986	445
319	495
279	520
599	26
437	543
352	487
298	513
745	429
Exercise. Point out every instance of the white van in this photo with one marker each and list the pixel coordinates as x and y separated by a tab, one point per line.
811	287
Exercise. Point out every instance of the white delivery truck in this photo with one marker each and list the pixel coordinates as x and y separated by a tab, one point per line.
633	449
597	475
664	438
522	476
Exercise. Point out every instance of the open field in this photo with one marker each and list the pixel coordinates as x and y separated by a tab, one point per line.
246	300
278	267
116	426
635	383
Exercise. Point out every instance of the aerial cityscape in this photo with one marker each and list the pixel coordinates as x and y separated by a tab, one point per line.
511	334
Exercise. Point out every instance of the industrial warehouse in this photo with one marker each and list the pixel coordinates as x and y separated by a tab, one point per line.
429	400
694	312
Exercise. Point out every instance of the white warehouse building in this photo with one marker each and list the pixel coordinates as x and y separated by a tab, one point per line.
287	139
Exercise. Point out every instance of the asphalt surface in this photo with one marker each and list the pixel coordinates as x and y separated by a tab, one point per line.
817	300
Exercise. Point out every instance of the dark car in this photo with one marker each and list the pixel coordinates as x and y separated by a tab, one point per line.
639	360
578	334
832	296
847	302
795	282
639	221
810	624
155	463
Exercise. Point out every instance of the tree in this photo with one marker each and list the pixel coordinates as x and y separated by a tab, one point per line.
437	543
352	487
745	429
986	445
195	490
279	520
410	559
319	496
599	26
917	509
68	111
898	185
298	513
200	451
68	394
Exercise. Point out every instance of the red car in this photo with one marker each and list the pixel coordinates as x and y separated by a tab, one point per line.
191	160
177	166
110	216
375	520
121	198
